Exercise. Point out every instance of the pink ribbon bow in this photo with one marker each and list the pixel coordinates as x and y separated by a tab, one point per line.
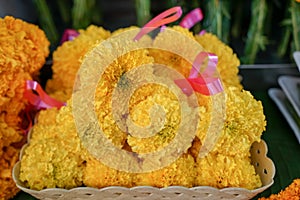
202	82
42	100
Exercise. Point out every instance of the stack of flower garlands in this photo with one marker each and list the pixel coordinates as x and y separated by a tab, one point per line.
23	49
56	157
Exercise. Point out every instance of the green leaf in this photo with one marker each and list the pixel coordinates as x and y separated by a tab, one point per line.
255	37
217	18
142	8
64	7
295	15
46	21
81	13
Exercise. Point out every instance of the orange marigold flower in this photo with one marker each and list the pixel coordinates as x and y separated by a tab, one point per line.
11	91
8	157
292	192
23	51
23	46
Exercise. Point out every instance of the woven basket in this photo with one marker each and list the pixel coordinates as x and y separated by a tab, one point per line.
263	166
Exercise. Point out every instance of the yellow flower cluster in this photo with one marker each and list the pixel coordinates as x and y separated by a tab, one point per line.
57	150
23	49
228	164
56	157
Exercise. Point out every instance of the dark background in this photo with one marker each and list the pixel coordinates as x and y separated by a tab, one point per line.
114	14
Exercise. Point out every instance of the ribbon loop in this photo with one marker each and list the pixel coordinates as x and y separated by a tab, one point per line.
166	17
69	34
199	63
202	82
192	18
42	100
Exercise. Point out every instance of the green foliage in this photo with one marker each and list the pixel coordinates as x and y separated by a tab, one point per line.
142	11
77	14
82	13
46	20
249	26
218	18
256	39
295	16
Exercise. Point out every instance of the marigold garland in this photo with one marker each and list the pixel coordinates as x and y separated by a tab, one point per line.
23	49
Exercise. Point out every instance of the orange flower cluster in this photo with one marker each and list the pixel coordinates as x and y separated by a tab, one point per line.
23	49
292	192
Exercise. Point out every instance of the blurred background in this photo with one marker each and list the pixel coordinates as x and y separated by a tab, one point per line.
259	31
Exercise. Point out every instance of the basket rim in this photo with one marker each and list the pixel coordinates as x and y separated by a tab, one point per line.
16	168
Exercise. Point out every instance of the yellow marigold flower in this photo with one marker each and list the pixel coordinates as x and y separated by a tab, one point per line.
245	123
170	54
183	31
37	167
228	164
205	109
47	117
103	97
54	157
227	61
99	175
67	60
221	171
172	60
23	46
142	101
181	172
122	30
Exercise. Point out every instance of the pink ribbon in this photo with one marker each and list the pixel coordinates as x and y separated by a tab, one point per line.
42	100
166	17
37	102
202	82
192	18
162	28
202	32
27	116
69	34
